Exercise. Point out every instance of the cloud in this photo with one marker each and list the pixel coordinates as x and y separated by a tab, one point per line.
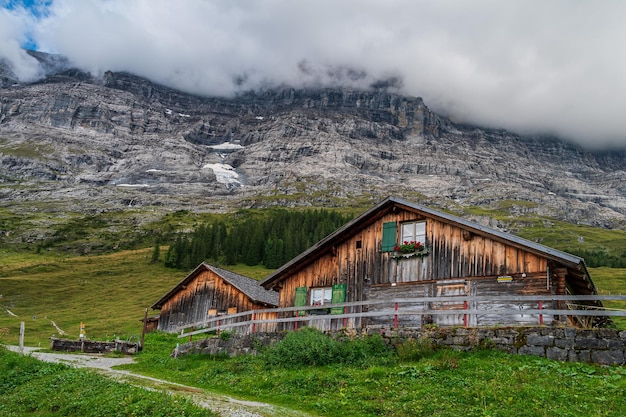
13	30
527	65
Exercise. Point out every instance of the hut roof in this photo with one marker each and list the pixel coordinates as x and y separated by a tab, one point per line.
246	285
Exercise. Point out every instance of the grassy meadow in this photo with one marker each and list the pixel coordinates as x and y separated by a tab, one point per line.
29	387
109	293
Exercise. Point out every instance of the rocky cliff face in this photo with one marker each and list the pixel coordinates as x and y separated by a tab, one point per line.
102	144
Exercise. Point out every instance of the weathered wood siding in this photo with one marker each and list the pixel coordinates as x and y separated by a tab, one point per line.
404	290
207	294
533	284
454	254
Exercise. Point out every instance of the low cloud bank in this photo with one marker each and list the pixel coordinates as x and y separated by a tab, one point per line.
528	66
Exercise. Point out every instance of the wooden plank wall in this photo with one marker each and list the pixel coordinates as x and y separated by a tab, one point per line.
532	284
410	290
206	291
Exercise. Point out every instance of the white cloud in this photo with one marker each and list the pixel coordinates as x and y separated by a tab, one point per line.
526	65
13	29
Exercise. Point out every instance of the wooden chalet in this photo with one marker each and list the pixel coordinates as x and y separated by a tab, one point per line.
362	261
208	292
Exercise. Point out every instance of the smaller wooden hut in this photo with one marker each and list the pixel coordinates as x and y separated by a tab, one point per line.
209	291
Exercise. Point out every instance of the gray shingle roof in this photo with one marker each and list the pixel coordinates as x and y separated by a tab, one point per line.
248	286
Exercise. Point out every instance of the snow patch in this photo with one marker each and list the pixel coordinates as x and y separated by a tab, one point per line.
226	146
133	185
224	173
154	170
259	117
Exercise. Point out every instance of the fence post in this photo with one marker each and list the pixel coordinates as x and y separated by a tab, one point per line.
465	314
144	329
395	316
191	336
219	323
540	315
253	322
22	329
345	319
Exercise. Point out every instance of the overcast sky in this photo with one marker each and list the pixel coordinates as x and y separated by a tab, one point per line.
554	66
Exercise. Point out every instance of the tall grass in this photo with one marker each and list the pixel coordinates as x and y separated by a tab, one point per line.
34	388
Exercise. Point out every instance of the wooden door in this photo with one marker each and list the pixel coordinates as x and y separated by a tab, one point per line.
452	288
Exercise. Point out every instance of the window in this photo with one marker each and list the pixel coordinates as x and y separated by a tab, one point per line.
409	232
413	232
321	296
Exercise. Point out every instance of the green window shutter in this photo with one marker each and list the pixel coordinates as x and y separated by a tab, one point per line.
300	300
389	236
339	296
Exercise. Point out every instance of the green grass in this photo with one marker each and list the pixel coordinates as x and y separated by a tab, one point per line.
29	387
109	293
441	383
520	219
611	281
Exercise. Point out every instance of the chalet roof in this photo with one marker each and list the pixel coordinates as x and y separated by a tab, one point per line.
247	286
376	212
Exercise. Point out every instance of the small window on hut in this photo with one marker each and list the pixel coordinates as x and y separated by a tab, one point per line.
409	232
321	296
413	232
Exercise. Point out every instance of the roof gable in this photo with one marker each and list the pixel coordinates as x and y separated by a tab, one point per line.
248	286
385	206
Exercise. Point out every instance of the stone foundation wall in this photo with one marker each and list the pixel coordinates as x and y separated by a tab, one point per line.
93	346
599	346
232	345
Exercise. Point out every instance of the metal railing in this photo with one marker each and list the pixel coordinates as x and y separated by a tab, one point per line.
393	310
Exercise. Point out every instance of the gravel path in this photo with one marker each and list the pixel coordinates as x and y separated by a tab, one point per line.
220	404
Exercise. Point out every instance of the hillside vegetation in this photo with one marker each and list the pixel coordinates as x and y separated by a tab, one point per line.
33	388
311	372
109	293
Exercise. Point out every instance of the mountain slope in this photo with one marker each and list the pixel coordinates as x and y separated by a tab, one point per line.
83	144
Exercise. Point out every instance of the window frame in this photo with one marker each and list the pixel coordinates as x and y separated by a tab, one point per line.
413	236
325	291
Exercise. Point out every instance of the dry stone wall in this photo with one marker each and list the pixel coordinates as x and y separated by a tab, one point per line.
93	346
599	346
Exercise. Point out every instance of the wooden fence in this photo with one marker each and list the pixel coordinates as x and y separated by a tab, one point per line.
390	312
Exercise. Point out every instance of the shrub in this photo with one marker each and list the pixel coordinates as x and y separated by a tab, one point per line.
413	350
225	335
311	347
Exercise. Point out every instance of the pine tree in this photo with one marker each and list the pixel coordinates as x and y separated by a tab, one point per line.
156	252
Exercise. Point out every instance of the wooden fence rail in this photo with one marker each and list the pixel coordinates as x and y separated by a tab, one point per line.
250	321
